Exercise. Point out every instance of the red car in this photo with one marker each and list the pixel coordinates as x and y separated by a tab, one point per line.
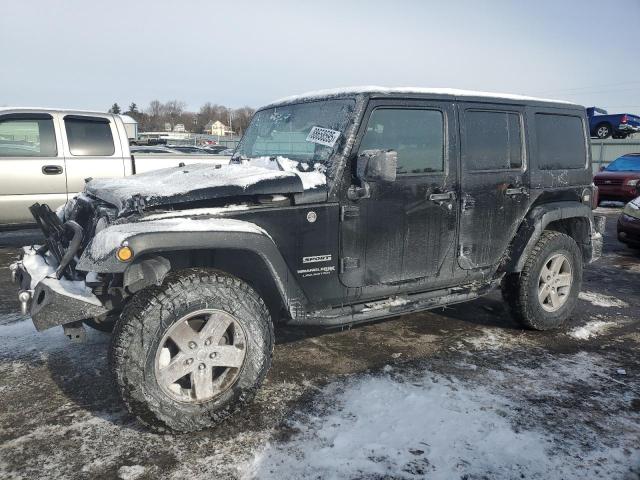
620	180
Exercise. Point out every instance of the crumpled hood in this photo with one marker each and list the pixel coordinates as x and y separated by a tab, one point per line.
194	182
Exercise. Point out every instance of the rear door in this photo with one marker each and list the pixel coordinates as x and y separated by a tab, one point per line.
406	229
92	149
494	184
31	165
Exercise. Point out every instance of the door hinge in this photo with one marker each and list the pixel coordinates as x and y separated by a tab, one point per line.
347	212
349	263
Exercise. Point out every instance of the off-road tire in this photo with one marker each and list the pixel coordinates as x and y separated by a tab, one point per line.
147	317
520	290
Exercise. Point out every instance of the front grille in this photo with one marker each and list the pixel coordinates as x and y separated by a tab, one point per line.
608	181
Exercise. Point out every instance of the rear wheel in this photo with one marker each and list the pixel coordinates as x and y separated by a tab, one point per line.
190	352
544	294
603	130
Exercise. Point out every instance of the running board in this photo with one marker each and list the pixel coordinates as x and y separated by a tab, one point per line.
396	305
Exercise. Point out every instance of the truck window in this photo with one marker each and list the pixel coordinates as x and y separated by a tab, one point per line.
493	140
561	142
27	138
89	136
417	135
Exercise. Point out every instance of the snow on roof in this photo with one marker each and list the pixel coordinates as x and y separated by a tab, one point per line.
50	110
372	89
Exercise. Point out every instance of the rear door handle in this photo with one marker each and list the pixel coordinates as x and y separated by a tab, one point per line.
515	191
52	169
442	197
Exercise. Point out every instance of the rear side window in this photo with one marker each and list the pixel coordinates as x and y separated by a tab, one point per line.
27	138
89	136
493	140
416	135
560	142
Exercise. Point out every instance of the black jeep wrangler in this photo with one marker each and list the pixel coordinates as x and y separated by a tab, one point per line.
337	207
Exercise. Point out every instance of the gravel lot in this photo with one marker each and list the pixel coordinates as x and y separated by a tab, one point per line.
460	392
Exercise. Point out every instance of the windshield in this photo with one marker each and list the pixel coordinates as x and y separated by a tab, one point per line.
306	132
629	163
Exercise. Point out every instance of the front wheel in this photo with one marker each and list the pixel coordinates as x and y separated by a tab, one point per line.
190	352
545	293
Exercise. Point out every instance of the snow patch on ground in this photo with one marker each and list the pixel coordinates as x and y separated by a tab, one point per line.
442	427
591	329
132	472
18	338
600	300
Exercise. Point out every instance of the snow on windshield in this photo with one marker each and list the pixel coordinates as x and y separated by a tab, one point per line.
311	176
306	132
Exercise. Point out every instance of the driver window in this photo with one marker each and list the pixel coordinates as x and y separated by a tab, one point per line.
417	135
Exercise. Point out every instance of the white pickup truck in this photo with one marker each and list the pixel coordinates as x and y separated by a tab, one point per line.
46	155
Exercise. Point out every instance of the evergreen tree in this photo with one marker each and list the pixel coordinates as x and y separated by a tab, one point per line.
115	108
133	108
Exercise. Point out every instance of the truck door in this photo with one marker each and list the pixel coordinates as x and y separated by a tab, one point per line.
32	166
494	184
92	149
406	229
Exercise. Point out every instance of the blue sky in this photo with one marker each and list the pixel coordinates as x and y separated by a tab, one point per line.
88	54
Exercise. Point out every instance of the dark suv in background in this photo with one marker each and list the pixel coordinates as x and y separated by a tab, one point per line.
339	207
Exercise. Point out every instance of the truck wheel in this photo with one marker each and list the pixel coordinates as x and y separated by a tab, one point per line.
544	294
603	130
190	352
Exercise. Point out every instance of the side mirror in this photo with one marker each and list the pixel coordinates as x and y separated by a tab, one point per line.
377	165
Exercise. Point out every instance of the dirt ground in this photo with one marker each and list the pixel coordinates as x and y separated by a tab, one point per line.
461	392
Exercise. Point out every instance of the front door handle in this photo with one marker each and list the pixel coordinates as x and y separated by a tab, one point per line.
442	197
52	169
515	191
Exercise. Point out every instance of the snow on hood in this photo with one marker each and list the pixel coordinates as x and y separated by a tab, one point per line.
203	182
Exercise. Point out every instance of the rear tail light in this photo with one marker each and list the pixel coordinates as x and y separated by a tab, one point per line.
624	119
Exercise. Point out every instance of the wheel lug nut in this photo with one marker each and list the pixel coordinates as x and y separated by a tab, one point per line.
213	355
207	342
192	345
189	361
202	366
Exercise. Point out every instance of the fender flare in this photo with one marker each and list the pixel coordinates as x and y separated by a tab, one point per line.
535	222
156	238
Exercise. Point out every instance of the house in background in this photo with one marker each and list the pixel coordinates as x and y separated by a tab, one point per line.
217	128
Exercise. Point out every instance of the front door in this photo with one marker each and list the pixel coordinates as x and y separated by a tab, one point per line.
406	229
32	167
495	194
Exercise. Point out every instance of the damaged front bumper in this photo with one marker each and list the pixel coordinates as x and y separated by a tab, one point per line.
51	301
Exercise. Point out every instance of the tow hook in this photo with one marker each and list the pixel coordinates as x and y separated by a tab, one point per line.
24	297
13	268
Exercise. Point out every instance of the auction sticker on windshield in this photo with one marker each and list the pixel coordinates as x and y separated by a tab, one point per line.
323	136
